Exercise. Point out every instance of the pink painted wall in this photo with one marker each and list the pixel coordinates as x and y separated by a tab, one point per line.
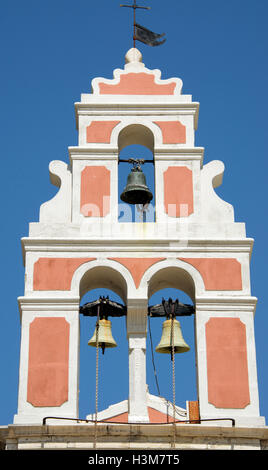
137	266
137	84
95	191
48	362
218	273
178	191
56	273
155	416
100	131
173	132
227	369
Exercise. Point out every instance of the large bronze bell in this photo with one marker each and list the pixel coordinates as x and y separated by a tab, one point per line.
165	345
136	190
105	338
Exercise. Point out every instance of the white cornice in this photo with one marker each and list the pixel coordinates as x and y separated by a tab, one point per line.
96	153
133	107
47	304
99	151
180	153
226	303
82	245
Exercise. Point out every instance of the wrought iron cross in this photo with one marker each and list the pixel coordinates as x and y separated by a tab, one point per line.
134	6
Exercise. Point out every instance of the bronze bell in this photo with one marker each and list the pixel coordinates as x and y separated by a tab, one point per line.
105	338
165	345
136	190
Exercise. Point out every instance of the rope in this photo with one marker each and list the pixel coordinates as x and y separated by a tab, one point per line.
173	381
97	378
151	341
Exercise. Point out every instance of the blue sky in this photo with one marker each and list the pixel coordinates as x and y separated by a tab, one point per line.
50	52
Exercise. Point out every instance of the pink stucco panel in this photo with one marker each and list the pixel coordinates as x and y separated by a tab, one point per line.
155	416
218	273
227	367
178	191
95	191
48	362
137	84
55	273
173	132
137	266
100	131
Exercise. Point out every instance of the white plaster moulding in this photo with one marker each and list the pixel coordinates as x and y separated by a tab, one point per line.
123	245
226	303
217	244
157	403
46	304
93	153
180	153
101	152
119	108
150	246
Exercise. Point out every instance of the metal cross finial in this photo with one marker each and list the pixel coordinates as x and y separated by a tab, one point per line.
134	6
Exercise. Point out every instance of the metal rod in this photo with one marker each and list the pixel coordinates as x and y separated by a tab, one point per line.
137	6
152	352
190	421
97	375
130	161
134	24
134	6
173	381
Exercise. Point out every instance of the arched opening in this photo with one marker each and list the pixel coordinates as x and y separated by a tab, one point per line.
113	364
136	142
172	283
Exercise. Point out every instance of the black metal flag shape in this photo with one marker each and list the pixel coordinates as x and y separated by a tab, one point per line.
148	37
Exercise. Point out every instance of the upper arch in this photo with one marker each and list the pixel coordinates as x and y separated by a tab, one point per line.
136	132
173	273
106	274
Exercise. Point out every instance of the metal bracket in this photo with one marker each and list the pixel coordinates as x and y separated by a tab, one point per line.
114	309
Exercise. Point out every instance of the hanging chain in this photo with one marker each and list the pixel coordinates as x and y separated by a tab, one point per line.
173	380
97	378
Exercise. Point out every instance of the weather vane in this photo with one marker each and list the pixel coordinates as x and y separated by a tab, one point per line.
143	34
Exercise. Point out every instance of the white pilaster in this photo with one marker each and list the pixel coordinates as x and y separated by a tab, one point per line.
137	331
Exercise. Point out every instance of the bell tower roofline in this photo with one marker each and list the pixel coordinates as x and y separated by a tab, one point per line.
133	55
135	86
145	82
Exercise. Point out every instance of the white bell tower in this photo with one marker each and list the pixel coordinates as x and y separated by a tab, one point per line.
194	245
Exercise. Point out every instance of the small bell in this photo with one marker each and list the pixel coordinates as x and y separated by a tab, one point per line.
136	190
165	345
105	338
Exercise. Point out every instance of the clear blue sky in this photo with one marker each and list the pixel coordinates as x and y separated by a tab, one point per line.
50	52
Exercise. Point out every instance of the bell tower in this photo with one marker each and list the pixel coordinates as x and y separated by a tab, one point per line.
194	245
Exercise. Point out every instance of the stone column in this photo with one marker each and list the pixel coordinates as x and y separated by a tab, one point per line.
137	330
